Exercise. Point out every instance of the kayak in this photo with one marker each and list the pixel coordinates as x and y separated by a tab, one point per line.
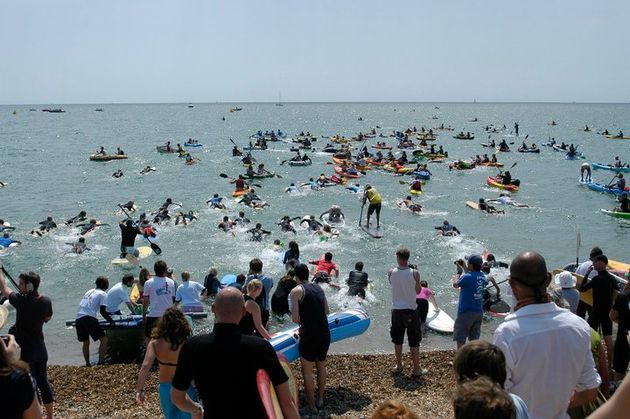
330	150
340	171
107	157
462	165
600	187
344	324
376	163
415	192
600	166
618	137
492	181
576	156
528	150
193	145
300	163
339	160
257	176
164	149
490	164
504	149
421	174
398	169
463	137
382	147
242	192
616	214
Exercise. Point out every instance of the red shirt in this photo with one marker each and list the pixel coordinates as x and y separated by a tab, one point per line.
324	266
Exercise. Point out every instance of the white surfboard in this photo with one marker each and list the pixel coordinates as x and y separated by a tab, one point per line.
439	321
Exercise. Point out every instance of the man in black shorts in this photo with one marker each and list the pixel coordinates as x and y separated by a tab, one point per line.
620	313
87	325
309	309
603	285
374	198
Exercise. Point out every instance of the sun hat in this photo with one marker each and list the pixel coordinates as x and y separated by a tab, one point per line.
565	279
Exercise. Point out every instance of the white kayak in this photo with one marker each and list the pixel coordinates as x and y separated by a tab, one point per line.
439	321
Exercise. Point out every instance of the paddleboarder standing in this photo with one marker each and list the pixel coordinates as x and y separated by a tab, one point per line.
374	198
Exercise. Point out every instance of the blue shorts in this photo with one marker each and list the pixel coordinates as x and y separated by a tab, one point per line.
169	410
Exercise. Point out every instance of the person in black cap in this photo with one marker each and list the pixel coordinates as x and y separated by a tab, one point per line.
603	285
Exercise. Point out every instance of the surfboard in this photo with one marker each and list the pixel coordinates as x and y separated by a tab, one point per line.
473	205
587	296
372	231
439	321
267	392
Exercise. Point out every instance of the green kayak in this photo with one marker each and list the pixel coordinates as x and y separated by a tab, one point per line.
617	214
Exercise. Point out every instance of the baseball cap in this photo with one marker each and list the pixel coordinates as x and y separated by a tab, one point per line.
475	259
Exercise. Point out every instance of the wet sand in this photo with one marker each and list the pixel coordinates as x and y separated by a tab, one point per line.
357	384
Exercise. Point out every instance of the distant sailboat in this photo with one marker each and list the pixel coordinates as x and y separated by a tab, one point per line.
279	100
190	105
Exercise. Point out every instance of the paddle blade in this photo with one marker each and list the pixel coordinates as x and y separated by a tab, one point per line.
223	175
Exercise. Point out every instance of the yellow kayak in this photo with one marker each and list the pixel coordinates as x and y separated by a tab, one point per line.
107	157
415	192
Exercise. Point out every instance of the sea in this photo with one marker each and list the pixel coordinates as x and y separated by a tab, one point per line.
44	161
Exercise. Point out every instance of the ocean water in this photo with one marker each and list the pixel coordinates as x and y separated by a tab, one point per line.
44	159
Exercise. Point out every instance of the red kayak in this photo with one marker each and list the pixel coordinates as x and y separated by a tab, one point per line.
340	171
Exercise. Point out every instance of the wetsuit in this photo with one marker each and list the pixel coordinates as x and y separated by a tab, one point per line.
246	325
357	282
602	285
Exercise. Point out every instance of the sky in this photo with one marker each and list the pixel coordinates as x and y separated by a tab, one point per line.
145	51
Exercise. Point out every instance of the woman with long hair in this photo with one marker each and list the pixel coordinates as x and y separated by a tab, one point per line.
293	252
167	339
251	323
17	388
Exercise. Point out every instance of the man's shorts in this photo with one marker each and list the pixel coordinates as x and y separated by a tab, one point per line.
405	320
467	326
314	348
88	327
596	319
149	324
374	207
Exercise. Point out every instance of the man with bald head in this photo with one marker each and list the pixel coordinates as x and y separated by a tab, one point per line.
224	364
547	349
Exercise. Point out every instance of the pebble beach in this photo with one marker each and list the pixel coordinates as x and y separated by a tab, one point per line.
357	384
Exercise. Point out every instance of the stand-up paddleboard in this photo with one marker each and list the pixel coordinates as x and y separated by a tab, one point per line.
267	392
131	321
130	261
228	280
343	324
372	231
439	321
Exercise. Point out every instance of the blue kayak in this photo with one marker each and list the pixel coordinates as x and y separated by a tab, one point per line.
600	187
576	156
600	166
422	174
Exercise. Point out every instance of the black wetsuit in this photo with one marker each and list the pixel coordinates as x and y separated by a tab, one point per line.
357	282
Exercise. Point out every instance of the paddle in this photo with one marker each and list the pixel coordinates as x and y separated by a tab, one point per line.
498	283
577	249
10	278
362	206
154	246
612	180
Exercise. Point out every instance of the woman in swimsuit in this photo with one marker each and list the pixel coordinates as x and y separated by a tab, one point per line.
166	341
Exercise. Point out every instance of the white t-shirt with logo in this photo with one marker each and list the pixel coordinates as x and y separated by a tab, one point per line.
161	292
91	303
116	296
188	293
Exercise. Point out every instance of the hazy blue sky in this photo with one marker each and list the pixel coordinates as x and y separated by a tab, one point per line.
82	51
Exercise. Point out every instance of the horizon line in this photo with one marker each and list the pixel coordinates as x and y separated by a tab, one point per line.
473	102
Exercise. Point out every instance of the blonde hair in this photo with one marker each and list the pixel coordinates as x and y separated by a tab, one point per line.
254	285
393	409
185	276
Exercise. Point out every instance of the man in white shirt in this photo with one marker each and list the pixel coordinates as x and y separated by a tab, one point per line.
188	294
405	283
87	325
159	291
547	349
119	294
